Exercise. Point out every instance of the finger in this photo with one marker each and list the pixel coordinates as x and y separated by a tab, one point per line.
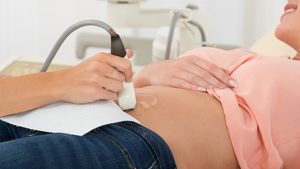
107	95
122	64
129	53
115	61
180	83
214	83
198	75
193	79
214	70
127	72
222	76
111	72
110	84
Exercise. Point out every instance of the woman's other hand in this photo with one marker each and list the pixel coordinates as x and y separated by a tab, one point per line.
190	72
99	77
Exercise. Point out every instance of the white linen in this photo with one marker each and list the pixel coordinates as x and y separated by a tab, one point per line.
70	118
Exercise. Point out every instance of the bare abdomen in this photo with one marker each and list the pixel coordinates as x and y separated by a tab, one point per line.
192	123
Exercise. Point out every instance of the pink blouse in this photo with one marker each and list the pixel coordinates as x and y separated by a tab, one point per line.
263	113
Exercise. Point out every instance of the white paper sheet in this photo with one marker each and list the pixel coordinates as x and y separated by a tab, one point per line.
70	118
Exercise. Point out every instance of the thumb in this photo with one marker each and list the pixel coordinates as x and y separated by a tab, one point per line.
129	53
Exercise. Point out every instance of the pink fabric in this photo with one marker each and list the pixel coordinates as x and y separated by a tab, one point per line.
263	113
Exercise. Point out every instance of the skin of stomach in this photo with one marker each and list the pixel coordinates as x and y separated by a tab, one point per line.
192	124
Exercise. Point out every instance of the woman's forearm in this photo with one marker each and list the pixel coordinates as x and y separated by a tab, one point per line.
19	94
99	77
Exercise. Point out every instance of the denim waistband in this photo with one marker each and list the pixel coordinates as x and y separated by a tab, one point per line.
158	145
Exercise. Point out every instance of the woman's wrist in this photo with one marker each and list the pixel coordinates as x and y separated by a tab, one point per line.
56	85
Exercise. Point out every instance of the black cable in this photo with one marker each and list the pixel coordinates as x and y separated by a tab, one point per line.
69	31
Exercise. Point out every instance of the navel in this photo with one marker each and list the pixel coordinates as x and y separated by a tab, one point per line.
145	102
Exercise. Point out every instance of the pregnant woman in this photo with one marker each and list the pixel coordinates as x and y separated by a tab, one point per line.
251	124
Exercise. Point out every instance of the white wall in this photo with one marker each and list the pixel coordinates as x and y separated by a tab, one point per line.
29	28
56	15
19	28
225	20
260	16
240	22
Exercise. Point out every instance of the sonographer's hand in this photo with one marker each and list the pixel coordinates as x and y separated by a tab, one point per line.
189	72
99	77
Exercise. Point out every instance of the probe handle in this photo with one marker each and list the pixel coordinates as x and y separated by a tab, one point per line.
117	47
126	98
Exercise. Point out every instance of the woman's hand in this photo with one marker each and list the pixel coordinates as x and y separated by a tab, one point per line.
190	72
100	77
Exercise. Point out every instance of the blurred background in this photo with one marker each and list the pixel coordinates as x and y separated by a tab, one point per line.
28	29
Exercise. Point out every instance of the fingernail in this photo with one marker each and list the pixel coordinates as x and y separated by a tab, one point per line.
217	91
201	89
233	83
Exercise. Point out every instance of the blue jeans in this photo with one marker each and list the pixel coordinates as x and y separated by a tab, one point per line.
124	145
